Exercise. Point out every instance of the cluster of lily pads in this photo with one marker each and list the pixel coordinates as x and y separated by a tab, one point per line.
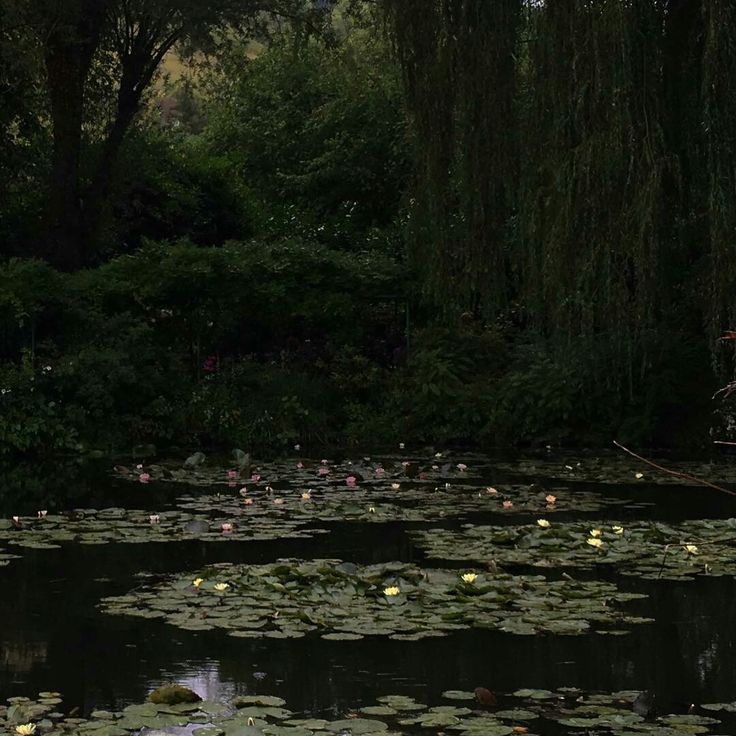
567	711
647	549
618	468
341	600
117	525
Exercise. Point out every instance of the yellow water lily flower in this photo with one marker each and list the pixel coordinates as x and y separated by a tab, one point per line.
544	523
26	729
617	529
595	541
391	591
691	548
595	532
469	577
197	582
220	587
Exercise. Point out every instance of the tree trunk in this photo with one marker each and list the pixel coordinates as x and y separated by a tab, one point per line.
70	42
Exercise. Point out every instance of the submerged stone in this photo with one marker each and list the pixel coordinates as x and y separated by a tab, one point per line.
173	695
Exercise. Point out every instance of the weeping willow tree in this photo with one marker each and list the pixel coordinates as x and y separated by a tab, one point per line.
719	126
459	62
598	179
577	158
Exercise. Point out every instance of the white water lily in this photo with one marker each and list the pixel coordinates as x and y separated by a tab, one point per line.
197	582
595	532
221	587
691	548
544	523
469	577
391	591
595	542
26	729
617	529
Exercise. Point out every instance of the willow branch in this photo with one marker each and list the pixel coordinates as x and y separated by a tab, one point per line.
676	473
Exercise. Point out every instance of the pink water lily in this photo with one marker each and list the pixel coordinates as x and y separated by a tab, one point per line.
232	474
248	501
380	472
144	478
300	465
462	467
551	499
323	471
507	504
255	477
227	527
42	514
351	480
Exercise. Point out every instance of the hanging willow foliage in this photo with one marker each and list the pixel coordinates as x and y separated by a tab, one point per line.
459	64
719	126
577	157
596	169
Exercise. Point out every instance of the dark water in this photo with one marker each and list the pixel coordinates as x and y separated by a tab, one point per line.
52	638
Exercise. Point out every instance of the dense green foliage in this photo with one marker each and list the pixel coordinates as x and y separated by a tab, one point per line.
500	223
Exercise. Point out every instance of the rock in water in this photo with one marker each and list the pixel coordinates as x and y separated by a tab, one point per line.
195	460
173	695
485	697
197	526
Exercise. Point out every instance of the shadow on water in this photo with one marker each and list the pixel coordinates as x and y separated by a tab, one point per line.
52	637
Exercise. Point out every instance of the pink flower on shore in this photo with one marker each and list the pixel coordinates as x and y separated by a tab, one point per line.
351	480
144	478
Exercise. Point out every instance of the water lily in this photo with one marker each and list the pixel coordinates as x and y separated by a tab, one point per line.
300	465
255	477
595	541
372	510
493	491
507	504
638	476
26	729
154	519
248	501
307	495
617	529
232	474
469	577
595	532
42	514
197	582
324	462
243	491
395	486
297	447
144	478
323	471
462	467
391	591
227	527
221	587
278	501
544	523
691	548
351	480
380	472
401	445
550	499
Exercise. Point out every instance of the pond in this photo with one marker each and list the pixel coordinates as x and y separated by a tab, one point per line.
103	604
